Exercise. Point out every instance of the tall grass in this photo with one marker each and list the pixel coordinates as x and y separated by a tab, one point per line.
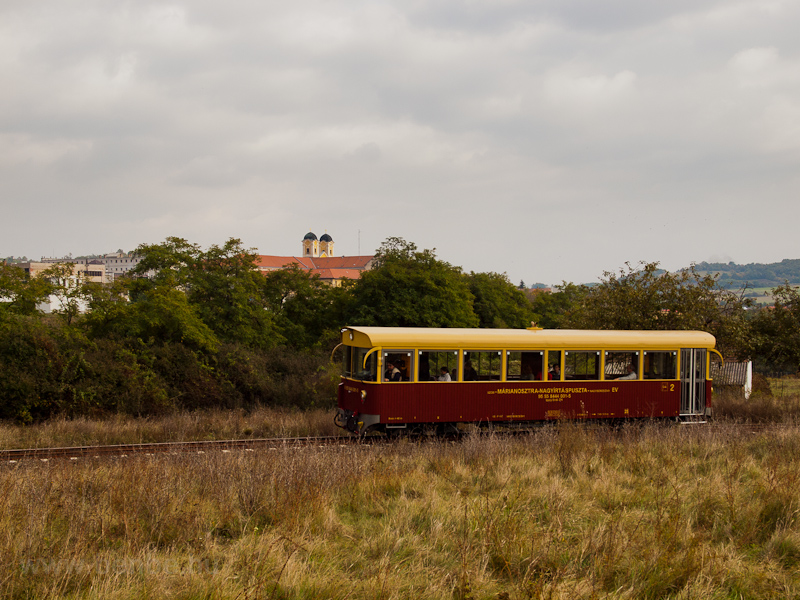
186	426
772	401
567	512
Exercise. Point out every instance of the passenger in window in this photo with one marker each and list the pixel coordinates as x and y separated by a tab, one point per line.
537	368
630	373
470	374
401	369
555	372
445	375
393	373
527	373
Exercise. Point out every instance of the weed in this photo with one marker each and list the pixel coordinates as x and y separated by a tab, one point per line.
567	512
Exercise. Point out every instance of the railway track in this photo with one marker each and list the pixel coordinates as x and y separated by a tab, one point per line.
199	447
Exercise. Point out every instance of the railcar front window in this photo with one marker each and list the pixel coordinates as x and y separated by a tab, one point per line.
362	371
622	365
660	365
524	366
582	365
438	365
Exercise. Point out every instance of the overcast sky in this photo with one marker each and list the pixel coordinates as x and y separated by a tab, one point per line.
548	139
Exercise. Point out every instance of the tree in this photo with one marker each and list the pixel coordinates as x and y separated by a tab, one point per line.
68	285
160	315
552	310
19	292
109	306
411	288
777	330
302	306
166	316
498	303
167	264
30	367
222	284
646	297
225	287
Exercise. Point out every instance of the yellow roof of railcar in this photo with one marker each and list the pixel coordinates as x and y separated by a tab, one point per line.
523	339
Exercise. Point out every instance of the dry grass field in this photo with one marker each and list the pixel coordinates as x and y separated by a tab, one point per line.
180	427
785	387
773	401
567	512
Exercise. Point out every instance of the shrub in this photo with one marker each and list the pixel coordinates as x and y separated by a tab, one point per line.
759	408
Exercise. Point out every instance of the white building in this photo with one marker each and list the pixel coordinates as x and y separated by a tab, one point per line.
89	270
119	263
116	264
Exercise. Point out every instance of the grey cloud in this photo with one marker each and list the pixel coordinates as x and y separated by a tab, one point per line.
369	152
610	15
617	122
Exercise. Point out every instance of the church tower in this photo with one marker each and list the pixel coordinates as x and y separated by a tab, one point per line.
326	245
310	245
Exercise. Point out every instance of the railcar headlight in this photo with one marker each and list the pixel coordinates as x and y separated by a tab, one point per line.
363	395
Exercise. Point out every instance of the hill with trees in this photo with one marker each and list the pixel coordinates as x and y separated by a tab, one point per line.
754	275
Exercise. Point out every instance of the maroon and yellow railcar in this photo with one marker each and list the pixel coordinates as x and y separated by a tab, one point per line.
415	379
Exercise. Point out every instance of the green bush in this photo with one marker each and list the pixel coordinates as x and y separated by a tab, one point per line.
51	368
31	364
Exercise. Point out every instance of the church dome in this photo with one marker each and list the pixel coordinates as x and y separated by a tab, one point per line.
326	238
309	236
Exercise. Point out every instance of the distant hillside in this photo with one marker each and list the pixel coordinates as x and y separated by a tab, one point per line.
755	275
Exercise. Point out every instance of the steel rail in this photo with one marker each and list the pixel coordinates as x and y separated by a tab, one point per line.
125	450
203	446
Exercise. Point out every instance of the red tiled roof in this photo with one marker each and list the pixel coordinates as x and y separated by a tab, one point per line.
359	263
276	262
328	267
342	262
337	273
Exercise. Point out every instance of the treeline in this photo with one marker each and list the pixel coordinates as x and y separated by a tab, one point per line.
755	275
646	297
193	328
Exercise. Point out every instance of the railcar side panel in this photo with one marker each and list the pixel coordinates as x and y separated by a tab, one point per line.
401	403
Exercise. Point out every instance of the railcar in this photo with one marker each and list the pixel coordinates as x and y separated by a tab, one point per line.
407	379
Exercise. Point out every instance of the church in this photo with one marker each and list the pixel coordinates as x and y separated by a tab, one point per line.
317	257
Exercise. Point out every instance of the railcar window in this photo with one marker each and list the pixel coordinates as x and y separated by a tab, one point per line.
431	363
622	365
524	366
660	365
554	365
368	372
582	365
398	365
482	366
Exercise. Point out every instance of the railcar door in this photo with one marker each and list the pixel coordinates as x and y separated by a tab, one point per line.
693	382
